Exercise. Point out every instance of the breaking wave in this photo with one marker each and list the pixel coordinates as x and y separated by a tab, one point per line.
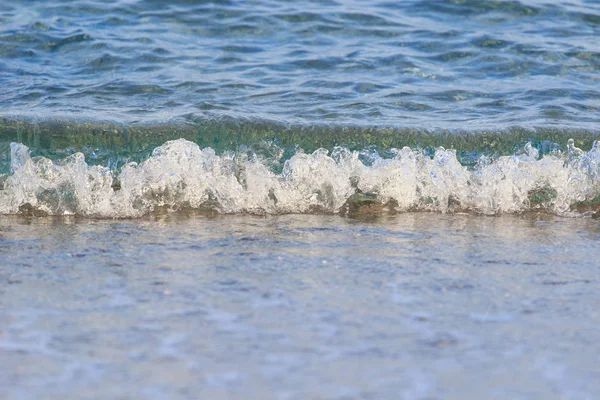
181	175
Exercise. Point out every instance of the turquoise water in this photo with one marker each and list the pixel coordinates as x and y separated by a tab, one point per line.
299	200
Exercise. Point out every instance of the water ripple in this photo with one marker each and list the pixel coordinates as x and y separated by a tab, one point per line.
498	63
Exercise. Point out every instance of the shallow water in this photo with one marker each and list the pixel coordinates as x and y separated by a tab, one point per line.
414	306
449	64
303	105
299	200
457	105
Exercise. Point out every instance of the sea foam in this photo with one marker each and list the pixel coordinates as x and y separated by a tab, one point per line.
179	174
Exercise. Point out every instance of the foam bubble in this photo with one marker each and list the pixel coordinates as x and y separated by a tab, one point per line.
179	174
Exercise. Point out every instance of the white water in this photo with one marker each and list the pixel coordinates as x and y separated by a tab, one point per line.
180	174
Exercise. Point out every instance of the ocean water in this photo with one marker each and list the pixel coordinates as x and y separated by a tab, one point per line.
411	306
448	64
299	200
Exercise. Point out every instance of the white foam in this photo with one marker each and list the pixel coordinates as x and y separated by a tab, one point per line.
180	174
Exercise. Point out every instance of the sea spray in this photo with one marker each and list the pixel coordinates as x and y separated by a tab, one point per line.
179	174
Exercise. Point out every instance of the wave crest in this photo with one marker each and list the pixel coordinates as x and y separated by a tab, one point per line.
180	174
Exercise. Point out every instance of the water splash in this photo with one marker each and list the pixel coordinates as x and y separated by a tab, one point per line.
180	174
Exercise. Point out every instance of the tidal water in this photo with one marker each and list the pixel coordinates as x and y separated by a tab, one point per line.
299	200
449	64
413	306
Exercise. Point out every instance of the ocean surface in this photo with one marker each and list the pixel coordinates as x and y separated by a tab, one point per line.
448	64
299	200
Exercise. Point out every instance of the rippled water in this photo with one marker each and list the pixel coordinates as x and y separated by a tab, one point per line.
299	200
450	64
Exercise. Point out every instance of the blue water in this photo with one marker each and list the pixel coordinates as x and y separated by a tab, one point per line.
415	306
464	64
299	200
